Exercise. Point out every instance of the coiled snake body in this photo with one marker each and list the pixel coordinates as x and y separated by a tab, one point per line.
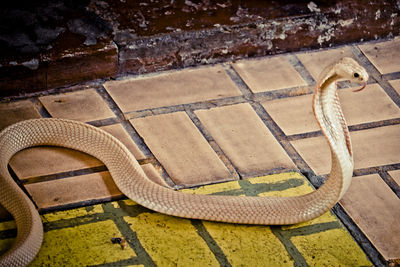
132	181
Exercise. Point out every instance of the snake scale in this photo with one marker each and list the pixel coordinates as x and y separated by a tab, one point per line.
131	180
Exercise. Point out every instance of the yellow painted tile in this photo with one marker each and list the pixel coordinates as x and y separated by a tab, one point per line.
249	245
82	245
330	248
281	178
74	213
129	202
7	225
171	241
324	218
214	188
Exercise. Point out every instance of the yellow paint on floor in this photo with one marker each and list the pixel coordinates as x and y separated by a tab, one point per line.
330	248
324	218
213	188
7	225
82	245
171	241
74	213
82	236
282	178
245	245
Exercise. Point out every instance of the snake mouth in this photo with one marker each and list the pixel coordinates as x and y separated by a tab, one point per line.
360	89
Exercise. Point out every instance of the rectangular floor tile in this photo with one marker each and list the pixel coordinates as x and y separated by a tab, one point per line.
316	61
13	112
384	55
268	74
376	210
174	88
86	244
67	191
171	241
294	114
245	139
372	147
181	149
98	186
118	131
40	161
85	105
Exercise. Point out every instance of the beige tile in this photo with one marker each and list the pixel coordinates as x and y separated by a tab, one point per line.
245	139
181	149
97	186
268	74
13	112
153	174
180	87
376	210
384	55
372	147
84	105
294	114
375	147
118	131
396	85
396	176
315	62
39	161
315	151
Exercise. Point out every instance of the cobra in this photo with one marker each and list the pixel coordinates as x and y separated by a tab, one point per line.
131	180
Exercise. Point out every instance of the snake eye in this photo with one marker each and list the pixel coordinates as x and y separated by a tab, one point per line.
356	75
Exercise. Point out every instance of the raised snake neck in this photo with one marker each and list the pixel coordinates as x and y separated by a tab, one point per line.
131	180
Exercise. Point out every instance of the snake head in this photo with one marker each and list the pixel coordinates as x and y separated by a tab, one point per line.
349	69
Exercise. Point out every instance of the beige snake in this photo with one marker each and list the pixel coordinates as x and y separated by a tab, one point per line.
132	181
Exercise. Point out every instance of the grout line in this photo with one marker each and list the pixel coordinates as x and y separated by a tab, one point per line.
390	182
352	128
214	145
40	107
375	74
238	81
211	243
391	76
299	260
370	251
63	175
281	138
134	135
19	183
301	69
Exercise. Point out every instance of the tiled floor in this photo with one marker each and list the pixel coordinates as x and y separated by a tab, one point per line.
230	121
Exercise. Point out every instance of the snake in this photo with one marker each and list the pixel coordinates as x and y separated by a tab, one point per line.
133	182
